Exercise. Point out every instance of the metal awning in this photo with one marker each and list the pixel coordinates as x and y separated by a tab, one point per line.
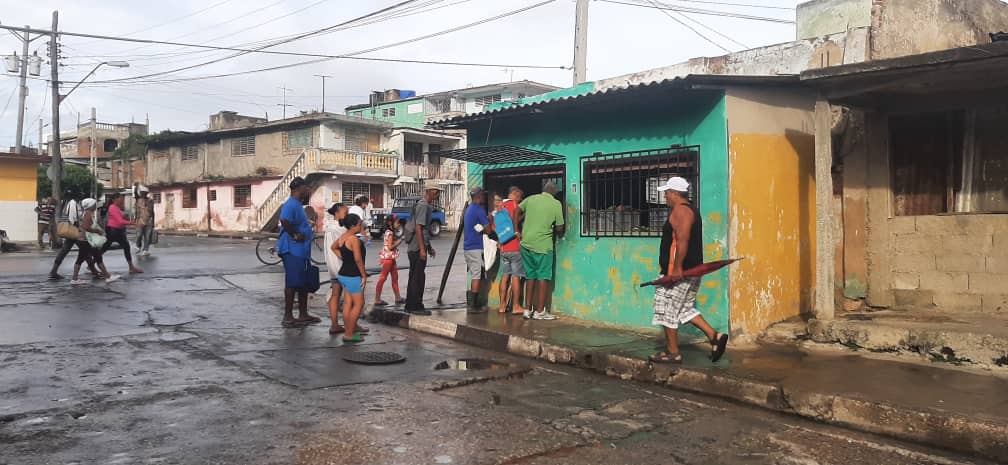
498	155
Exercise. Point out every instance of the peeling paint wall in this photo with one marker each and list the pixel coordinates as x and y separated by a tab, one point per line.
909	27
597	279
824	17
772	206
169	214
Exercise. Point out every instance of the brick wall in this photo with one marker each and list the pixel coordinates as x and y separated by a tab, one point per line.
955	262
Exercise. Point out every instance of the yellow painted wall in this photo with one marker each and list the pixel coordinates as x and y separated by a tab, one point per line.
772	204
18	180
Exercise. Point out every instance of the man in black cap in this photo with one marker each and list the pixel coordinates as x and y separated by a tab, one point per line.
294	248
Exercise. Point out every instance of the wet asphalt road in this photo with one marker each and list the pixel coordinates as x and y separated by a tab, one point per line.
187	364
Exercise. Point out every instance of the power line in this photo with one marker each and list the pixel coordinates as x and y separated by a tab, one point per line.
215	5
724	36
9	98
748	5
699	11
352	55
687	26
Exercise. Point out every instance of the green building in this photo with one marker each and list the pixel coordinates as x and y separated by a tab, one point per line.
746	142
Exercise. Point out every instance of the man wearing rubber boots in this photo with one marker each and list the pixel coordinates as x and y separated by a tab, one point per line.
681	249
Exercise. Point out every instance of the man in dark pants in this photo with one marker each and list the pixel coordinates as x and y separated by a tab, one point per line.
419	248
71	213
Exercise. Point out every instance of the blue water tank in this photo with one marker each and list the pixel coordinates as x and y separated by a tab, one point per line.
404	94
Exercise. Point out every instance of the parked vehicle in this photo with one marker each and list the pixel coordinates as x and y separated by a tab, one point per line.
403	208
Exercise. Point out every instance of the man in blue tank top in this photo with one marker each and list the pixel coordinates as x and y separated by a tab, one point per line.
681	249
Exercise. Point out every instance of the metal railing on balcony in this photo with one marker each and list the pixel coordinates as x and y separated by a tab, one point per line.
450	171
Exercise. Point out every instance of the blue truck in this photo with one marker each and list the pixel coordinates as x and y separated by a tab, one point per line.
403	208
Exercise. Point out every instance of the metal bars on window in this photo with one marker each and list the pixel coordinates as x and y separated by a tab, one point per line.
619	191
190	153
243	196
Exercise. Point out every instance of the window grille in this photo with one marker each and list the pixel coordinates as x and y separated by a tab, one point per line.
619	191
213	195
352	190
189	198
243	146
190	153
387	112
156	197
299	138
243	196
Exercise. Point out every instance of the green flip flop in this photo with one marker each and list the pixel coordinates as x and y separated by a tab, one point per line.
356	338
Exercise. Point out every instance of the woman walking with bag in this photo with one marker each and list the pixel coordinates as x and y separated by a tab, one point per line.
117	231
352	276
90	241
389	259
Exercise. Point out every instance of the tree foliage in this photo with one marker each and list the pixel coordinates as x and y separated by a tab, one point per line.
76	182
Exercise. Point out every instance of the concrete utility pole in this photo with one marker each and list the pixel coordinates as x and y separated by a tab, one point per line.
93	155
23	93
40	137
580	42
324	77
57	159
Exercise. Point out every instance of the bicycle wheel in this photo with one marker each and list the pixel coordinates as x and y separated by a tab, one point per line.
266	251
318	250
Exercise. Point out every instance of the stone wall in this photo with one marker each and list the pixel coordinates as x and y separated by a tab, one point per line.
910	27
955	262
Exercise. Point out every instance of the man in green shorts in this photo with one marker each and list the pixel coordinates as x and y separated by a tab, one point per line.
543	218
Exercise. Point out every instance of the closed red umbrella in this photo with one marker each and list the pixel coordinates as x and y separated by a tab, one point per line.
696	271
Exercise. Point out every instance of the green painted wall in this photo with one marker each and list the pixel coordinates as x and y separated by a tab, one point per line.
597	279
402	116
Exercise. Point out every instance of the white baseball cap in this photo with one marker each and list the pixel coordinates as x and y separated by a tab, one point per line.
675	184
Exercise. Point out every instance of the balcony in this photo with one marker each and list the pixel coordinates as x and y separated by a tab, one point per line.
450	171
352	162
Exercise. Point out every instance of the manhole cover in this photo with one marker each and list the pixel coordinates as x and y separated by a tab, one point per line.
374	358
469	364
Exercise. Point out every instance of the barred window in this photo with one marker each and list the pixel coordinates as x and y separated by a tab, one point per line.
189	197
352	190
387	112
619	191
190	153
213	195
243	146
356	140
156	197
243	196
299	138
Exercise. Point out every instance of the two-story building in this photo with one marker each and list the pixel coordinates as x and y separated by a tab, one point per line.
234	175
101	140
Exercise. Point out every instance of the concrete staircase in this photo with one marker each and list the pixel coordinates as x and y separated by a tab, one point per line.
318	161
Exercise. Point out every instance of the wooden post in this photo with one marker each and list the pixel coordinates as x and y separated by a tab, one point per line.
451	257
825	303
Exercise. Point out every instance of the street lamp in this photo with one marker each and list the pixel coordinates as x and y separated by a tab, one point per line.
114	64
56	137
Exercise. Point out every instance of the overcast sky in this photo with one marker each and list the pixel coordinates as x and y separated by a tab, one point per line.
622	39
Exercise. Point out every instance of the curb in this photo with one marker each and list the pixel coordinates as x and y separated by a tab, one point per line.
932	428
223	235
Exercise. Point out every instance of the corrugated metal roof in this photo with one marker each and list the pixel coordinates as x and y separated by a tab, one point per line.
688	82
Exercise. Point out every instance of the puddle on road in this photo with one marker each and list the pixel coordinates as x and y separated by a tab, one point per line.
470	364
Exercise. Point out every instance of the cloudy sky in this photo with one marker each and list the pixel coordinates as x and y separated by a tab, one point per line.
622	39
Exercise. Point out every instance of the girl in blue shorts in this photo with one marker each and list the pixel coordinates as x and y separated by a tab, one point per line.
352	276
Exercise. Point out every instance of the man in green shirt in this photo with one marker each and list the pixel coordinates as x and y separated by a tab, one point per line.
543	216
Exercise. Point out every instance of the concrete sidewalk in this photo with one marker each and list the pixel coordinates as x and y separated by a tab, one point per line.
959	410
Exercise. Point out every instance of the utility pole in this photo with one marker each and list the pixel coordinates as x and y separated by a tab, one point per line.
23	92
324	77
94	160
40	137
580	42
284	104
57	159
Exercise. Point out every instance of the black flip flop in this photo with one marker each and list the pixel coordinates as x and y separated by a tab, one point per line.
719	347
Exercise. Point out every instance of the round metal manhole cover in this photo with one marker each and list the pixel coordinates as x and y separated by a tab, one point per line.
374	358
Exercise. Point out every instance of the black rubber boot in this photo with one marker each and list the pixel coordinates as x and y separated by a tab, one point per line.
472	303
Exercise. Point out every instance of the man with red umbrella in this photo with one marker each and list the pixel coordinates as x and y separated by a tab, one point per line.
681	248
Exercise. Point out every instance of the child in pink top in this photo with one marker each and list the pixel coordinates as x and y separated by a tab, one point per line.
389	259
